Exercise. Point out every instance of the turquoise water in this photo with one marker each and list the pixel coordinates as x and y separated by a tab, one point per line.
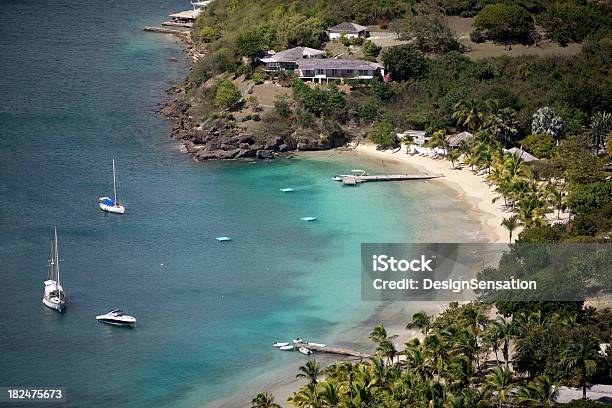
80	84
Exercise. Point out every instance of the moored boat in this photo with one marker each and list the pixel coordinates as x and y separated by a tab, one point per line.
116	317
110	204
305	351
54	296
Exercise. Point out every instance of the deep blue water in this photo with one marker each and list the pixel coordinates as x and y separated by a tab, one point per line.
80	81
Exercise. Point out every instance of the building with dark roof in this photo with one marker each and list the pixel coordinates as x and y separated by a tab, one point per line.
349	30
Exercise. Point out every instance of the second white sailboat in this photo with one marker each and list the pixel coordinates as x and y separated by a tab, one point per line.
109	204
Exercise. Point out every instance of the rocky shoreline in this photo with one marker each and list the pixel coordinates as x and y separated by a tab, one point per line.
219	138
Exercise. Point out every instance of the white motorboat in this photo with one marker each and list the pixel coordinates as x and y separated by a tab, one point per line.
317	344
298	341
280	344
305	351
116	317
110	204
54	296
336	178
286	348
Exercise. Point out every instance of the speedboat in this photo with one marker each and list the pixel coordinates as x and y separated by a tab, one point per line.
54	297
317	344
298	341
286	348
280	344
116	317
305	351
336	178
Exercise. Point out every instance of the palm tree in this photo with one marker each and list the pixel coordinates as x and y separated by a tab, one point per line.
331	394
601	124
264	400
581	353
378	334
420	320
468	113
306	397
310	371
556	197
417	362
503	330
540	392
386	348
510	224
499	384
453	156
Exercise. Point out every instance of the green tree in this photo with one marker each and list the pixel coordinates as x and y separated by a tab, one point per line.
422	321
264	400
383	135
511	223
227	94
546	120
404	62
504	22
469	114
311	371
540	145
581	354
601	125
569	21
453	156
498	384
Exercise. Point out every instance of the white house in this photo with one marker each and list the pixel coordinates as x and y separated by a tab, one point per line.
322	70
349	30
289	59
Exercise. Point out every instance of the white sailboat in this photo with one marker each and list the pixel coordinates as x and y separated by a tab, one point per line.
111	205
54	296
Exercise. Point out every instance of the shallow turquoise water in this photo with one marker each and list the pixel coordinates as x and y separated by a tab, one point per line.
80	83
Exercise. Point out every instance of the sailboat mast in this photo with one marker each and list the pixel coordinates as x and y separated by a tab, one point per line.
114	184
57	271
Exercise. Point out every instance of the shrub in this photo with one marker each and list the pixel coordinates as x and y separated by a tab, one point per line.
258	78
540	145
477	36
384	136
504	22
590	197
256	117
569	22
583	225
370	49
227	94
404	62
281	106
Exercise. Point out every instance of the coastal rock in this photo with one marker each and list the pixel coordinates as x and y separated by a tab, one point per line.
312	145
265	154
193	148
248	139
244	146
245	153
205	154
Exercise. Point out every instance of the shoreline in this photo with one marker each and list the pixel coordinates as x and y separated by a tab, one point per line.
472	189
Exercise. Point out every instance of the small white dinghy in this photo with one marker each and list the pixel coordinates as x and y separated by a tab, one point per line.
305	351
277	344
116	317
111	205
286	348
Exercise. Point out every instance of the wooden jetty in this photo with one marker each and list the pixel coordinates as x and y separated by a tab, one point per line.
333	350
353	180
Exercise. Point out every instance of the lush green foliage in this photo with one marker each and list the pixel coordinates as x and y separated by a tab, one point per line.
404	62
540	145
383	135
227	94
452	365
569	21
505	22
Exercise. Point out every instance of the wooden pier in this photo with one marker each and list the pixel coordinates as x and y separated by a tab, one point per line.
353	180
333	350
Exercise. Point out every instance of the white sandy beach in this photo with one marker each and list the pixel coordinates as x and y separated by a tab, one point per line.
472	188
